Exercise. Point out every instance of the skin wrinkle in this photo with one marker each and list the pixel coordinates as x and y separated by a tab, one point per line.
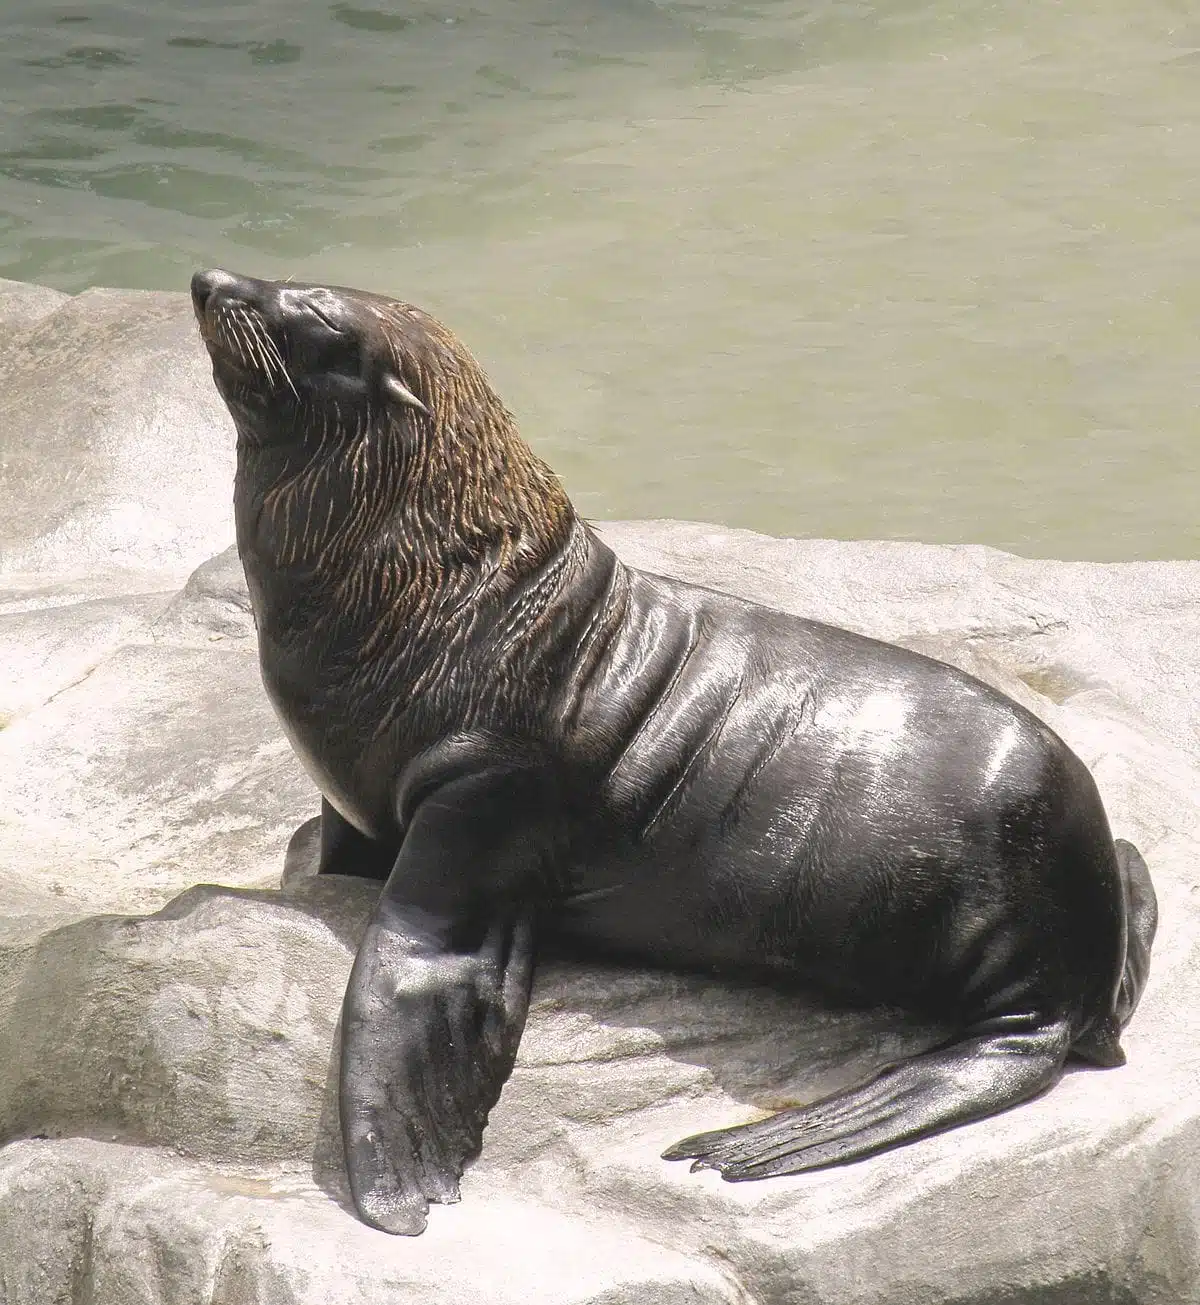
787	723
595	643
660	700
702	751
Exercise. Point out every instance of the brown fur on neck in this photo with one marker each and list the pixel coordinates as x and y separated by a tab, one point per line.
388	540
473	489
426	508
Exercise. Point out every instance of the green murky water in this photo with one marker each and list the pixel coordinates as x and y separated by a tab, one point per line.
919	270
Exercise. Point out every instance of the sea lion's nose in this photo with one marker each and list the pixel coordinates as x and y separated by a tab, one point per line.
205	284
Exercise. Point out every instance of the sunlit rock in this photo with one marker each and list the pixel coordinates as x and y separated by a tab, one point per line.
116	452
169	1013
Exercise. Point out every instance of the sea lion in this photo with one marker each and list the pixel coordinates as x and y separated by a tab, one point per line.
527	739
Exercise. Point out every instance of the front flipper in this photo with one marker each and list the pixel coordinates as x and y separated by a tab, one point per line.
993	1067
438	996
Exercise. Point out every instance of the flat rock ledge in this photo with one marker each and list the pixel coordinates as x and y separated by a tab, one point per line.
171	970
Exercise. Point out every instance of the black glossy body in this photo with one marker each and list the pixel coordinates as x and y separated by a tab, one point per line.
655	771
780	794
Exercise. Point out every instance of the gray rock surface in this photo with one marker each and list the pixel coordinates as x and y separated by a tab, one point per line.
117	452
168	1012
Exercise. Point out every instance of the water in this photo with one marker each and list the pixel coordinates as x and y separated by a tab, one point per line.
892	269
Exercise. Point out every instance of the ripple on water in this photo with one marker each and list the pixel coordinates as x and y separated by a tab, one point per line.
92	57
907	268
371	20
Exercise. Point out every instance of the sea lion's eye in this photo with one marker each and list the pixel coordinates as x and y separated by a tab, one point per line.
324	318
334	341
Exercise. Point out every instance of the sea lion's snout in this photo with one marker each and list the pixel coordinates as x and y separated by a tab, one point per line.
238	319
216	282
203	284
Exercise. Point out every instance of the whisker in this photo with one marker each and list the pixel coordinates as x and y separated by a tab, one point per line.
247	319
274	348
232	337
243	345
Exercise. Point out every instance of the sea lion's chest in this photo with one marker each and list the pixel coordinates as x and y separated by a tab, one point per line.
345	719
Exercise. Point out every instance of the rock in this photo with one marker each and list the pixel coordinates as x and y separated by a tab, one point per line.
22	304
89	1221
117	453
168	1013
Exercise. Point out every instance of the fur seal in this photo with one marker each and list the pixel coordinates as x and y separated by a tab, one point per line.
525	738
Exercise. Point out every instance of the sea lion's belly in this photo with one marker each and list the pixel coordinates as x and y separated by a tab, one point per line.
799	799
800	868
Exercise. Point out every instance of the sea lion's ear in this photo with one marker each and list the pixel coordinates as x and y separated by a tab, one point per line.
396	389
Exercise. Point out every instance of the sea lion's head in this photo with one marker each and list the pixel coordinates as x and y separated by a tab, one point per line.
284	355
375	417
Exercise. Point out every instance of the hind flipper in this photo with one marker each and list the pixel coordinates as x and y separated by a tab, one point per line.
995	1066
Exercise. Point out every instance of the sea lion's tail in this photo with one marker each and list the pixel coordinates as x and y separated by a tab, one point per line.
1101	1043
1141	914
